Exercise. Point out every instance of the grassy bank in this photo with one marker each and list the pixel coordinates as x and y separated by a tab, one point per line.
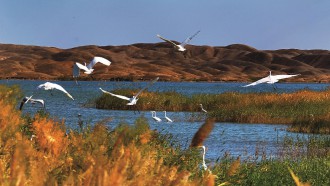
36	150
308	111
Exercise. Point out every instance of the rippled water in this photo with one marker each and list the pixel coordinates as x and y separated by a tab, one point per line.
238	139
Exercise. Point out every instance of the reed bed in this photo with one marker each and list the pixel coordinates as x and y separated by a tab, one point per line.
308	111
36	150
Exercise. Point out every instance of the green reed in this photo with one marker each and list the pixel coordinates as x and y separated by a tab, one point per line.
307	110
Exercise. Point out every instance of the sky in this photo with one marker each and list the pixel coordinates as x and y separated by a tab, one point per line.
262	24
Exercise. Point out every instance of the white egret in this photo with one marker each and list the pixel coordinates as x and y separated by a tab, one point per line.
167	118
270	79
25	100
203	163
203	108
134	99
32	101
51	86
40	101
180	46
153	115
89	68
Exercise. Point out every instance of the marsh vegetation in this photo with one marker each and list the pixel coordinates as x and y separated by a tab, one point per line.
305	110
37	150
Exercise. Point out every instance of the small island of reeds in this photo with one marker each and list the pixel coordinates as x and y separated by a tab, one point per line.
305	110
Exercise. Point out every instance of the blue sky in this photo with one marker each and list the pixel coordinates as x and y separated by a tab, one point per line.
263	24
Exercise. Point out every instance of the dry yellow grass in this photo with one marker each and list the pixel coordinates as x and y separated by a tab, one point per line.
95	157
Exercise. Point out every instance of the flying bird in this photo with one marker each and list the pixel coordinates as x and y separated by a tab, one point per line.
167	118
32	101
51	86
89	68
25	100
153	115
134	99
179	47
271	79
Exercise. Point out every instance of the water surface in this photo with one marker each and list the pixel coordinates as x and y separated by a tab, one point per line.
243	140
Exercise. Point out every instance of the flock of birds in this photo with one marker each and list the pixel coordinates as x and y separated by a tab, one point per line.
88	69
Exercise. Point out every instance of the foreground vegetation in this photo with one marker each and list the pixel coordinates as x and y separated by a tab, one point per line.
36	150
307	111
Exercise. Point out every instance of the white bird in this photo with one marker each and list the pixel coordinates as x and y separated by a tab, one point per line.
180	46
167	118
32	101
134	99
51	86
271	79
153	115
203	108
25	100
89	68
203	163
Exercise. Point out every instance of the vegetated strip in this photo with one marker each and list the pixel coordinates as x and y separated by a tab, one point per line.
304	110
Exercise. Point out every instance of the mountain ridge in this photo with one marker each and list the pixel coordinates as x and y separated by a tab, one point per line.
144	61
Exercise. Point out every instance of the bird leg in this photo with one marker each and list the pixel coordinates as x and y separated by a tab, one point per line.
136	108
274	86
76	81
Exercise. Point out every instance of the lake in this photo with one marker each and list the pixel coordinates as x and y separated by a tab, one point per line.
234	138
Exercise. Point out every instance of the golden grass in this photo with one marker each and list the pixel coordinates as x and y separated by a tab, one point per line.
95	156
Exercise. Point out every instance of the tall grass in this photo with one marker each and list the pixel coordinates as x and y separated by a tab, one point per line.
130	155
307	110
126	155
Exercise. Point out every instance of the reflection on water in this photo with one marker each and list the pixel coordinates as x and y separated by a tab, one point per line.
245	140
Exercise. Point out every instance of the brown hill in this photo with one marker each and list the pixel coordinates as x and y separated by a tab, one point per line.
145	61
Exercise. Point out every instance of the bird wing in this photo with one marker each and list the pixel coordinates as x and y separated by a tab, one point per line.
263	80
166	40
284	76
59	87
185	42
38	101
41	86
22	104
152	82
25	100
98	60
82	67
75	71
116	95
